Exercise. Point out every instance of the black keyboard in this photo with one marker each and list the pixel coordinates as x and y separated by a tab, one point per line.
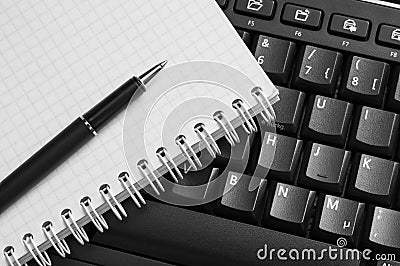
336	166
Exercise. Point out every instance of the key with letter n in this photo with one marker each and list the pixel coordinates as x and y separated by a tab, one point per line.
288	208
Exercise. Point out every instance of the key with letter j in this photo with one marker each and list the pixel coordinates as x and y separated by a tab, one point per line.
324	167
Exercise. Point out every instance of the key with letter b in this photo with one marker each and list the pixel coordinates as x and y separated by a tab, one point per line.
243	198
337	217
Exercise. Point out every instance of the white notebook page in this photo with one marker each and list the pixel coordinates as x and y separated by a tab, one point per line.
59	58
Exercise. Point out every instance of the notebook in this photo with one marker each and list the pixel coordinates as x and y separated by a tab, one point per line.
58	59
180	99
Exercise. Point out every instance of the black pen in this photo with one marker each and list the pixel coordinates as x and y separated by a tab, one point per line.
69	140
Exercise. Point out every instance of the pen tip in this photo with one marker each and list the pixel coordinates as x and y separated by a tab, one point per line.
149	74
163	63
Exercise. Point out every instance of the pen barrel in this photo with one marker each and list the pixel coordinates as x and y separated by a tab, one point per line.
110	106
44	161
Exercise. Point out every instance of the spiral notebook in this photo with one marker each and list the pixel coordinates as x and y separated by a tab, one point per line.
58	59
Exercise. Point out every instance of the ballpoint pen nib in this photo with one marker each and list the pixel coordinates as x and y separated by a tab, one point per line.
163	63
149	74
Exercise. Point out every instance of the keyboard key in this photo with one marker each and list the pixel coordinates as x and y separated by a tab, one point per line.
366	81
243	199
183	237
375	131
324	167
389	35
338	217
393	102
246	37
353	28
284	152
327	120
256	8
319	71
387	263
383	230
222	3
288	208
276	58
237	152
301	16
288	110
373	179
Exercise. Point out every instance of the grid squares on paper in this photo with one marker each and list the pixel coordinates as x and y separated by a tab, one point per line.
59	58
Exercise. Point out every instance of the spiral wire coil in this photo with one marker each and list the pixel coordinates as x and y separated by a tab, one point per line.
60	245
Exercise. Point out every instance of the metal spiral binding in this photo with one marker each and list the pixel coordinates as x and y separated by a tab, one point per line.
188	151
143	168
268	113
114	204
164	158
59	245
206	137
248	122
10	256
98	220
230	132
127	183
42	259
78	232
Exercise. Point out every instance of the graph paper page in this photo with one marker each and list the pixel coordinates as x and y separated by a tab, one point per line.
59	58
